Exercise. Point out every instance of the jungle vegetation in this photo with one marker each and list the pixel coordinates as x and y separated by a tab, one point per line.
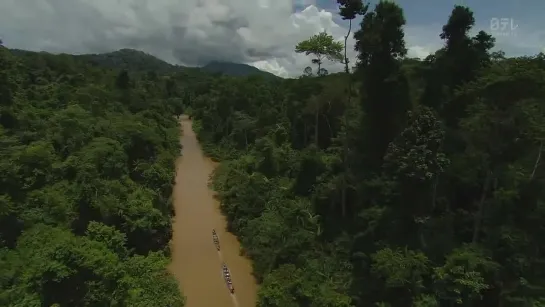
86	171
404	182
400	182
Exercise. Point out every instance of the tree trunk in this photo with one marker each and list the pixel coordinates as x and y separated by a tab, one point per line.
434	192
538	160
345	139
246	138
479	215
305	136
316	122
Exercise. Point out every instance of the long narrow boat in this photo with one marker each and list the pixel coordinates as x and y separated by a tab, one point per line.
216	239
227	277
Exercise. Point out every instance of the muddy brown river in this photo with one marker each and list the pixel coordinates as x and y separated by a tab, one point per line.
195	261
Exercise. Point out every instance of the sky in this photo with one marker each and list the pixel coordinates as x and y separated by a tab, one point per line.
262	33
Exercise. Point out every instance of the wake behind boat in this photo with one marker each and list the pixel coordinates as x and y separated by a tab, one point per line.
227	277
216	239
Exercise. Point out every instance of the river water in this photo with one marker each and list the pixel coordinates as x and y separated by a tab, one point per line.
196	263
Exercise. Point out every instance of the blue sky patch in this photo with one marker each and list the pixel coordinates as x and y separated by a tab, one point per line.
519	27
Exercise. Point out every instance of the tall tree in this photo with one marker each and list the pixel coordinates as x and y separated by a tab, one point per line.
457	63
349	10
380	45
321	46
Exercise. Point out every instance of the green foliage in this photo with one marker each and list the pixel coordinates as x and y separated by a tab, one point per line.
85	180
462	278
321	46
422	188
404	183
400	268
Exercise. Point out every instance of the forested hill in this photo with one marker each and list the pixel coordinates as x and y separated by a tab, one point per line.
130	59
139	61
234	69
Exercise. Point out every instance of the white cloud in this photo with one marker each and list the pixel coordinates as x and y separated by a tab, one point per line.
191	32
418	52
273	66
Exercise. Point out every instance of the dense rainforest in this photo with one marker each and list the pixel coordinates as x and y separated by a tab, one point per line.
86	172
405	183
401	182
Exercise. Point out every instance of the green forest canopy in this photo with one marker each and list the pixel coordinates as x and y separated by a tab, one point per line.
85	181
406	183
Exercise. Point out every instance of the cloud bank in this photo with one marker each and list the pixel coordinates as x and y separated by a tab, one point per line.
188	32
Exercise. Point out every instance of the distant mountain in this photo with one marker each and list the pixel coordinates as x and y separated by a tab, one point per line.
130	59
234	69
136	60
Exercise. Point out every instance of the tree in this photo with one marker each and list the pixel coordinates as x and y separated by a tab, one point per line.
348	9
322	46
308	71
416	160
380	45
123	80
457	63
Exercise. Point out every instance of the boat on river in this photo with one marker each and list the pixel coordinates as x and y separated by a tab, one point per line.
216	239
227	277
